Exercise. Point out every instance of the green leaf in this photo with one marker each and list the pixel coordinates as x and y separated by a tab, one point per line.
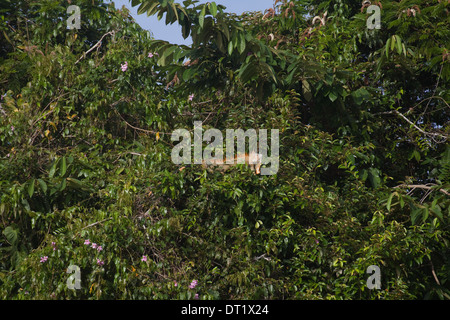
437	211
241	43
188	73
53	169
144	7
306	90
213	8
247	72
360	95
388	204
201	18
174	9
374	177
178	54
43	185
399	45
11	235
387	47
62	186
165	55
267	68
63	166
333	96
186	28
224	28
393	41
402	202
53	191
364	174
75	183
230	48
415	213
219	42
31	188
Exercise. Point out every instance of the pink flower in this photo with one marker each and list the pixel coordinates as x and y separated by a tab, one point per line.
193	284
12	128
196	296
54	246
100	262
94	245
44	259
87	242
191	97
150	55
99	248
144	258
176	284
124	66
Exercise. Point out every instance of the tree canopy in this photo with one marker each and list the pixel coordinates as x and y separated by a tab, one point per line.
86	176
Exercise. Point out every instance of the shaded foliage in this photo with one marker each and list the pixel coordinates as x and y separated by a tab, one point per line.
85	127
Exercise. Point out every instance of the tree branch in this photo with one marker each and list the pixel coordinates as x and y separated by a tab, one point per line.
429	134
422	186
98	44
422	131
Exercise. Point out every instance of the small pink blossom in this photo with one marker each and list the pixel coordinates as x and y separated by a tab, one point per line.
175	284
99	248
144	258
124	66
191	97
196	296
94	246
12	128
87	242
54	246
100	262
193	284
44	259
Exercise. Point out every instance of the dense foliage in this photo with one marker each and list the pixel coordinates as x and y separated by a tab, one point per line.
86	176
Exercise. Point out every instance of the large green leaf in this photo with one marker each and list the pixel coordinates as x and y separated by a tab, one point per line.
201	17
213	9
43	185
11	235
31	187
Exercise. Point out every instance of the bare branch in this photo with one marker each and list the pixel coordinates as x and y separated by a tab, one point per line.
423	186
98	44
432	135
422	131
95	223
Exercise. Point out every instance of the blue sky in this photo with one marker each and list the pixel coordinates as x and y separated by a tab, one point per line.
172	33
